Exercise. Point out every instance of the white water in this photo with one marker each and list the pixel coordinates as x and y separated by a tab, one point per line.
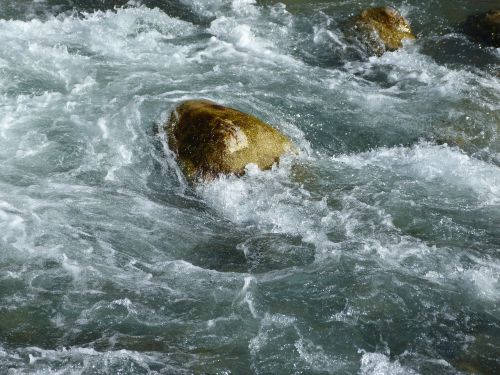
375	251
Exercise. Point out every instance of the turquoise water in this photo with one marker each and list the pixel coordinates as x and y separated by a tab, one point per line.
376	250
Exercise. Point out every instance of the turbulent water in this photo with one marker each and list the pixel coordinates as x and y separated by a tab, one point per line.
376	250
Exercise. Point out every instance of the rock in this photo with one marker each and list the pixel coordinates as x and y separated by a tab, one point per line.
379	30
484	28
212	140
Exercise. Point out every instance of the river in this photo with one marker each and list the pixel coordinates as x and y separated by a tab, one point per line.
375	250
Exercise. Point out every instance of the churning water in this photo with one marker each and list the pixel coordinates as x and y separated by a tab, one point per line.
376	250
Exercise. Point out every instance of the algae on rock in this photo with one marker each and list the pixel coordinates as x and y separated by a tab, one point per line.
379	29
212	140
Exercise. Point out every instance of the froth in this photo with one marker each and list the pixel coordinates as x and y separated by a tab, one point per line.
380	364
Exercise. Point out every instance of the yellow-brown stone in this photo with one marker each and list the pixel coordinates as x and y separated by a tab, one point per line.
381	29
212	140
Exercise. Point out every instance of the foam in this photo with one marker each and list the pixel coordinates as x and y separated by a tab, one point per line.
268	201
265	200
241	35
380	364
485	281
432	163
207	8
81	360
316	358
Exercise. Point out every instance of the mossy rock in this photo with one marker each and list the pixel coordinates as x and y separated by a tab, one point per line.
379	29
211	140
484	28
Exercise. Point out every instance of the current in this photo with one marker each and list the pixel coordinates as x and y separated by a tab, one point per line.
374	251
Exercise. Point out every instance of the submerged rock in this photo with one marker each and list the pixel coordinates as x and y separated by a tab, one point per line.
212	140
484	28
379	29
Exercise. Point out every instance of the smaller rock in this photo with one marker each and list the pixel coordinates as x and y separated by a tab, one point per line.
379	29
484	28
212	140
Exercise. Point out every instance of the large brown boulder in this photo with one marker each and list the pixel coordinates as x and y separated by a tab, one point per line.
379	29
484	28
212	140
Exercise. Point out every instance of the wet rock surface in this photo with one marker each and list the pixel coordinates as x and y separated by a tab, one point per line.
212	140
484	28
379	30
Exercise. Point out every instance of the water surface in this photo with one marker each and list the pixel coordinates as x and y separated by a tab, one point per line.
374	251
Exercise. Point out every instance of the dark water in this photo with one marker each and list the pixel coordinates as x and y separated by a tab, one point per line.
374	251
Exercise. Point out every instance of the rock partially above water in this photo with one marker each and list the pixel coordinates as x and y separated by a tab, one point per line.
379	29
484	28
212	140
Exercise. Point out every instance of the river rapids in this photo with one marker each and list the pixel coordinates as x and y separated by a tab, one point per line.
375	250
